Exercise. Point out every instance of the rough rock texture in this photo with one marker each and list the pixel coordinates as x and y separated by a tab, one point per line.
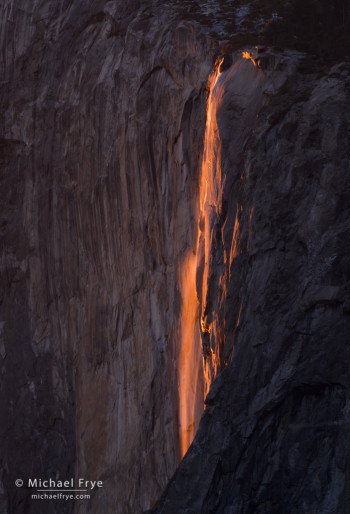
103	107
274	436
103	111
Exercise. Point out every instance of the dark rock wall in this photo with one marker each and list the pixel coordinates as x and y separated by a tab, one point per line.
274	436
103	111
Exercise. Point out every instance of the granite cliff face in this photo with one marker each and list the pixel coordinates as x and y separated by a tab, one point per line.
103	110
101	143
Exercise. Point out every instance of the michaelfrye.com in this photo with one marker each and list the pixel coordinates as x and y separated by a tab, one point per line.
50	489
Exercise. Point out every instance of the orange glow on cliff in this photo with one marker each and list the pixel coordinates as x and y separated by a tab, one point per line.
234	249
239	315
249	56
191	393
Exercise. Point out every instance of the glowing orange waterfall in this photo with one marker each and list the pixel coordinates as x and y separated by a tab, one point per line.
210	202
191	387
210	186
207	334
191	394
